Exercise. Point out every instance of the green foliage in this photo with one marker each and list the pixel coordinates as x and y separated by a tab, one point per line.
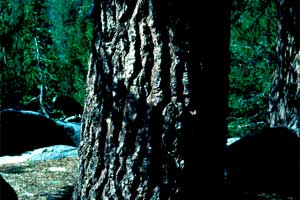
48	42
252	50
43	42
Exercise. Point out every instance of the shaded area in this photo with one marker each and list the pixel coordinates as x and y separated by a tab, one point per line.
266	162
6	191
23	131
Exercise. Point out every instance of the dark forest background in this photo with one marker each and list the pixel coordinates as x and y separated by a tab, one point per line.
47	44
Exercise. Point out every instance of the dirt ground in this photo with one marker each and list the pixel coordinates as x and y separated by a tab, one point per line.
40	180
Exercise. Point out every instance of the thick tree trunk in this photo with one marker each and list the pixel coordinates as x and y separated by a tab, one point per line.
149	117
285	91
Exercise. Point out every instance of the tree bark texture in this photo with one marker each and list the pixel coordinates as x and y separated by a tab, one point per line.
152	78
285	92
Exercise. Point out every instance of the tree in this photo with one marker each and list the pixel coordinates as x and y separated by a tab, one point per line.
151	128
284	105
252	53
22	40
41	42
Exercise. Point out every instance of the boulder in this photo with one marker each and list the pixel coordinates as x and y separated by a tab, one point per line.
52	153
23	131
68	105
267	162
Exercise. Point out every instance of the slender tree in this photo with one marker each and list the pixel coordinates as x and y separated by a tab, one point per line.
151	128
284	103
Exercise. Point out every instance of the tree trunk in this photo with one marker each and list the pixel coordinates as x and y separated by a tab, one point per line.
284	103
150	127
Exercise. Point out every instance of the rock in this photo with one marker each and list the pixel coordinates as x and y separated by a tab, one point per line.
53	153
42	154
14	159
265	162
23	131
232	140
6	191
72	130
68	105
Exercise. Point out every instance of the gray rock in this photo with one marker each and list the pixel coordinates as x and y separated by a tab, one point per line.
53	153
42	154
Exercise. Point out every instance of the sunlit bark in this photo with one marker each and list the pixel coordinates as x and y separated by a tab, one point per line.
285	94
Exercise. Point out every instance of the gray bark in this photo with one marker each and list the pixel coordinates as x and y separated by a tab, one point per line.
141	121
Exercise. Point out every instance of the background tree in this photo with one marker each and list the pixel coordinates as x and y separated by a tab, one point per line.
284	103
253	59
150	127
20	31
43	43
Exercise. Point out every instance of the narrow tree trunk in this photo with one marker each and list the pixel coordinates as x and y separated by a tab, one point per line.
41	78
149	114
285	91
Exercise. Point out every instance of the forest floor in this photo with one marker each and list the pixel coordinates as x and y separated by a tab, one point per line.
264	196
45	180
40	180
